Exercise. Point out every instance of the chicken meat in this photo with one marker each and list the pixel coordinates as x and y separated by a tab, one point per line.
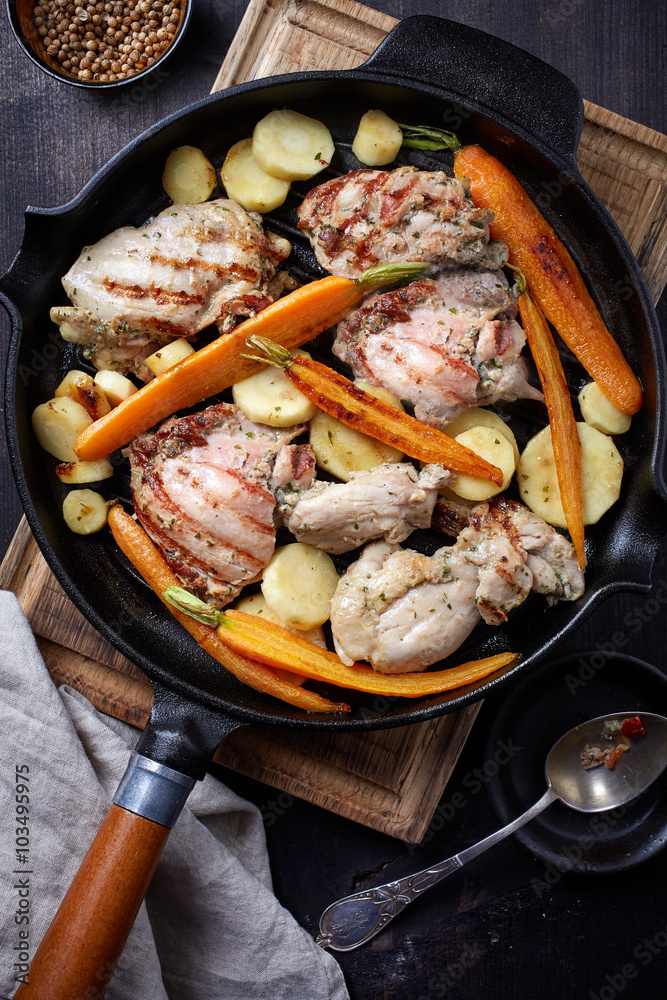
192	266
390	501
444	344
203	486
403	611
370	217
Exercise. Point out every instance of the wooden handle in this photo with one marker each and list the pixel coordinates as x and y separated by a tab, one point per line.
78	955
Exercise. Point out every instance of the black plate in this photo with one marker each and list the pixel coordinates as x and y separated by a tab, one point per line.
428	70
554	699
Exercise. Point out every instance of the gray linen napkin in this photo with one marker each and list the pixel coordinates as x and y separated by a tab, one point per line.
210	928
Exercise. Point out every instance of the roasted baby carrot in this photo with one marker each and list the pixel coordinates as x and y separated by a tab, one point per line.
552	276
278	648
564	434
293	320
348	403
144	556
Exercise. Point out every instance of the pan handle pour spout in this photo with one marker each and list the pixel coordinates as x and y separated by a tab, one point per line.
537	100
78	954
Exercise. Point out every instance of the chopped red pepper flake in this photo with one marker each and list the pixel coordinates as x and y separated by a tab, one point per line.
613	755
633	727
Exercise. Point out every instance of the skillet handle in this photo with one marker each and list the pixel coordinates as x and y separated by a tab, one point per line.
488	75
78	954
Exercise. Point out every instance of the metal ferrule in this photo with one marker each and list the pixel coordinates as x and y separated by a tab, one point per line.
153	790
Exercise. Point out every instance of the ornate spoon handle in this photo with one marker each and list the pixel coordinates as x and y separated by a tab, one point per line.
355	919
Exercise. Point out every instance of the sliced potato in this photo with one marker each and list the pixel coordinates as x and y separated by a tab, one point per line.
492	445
75	473
57	424
341	450
246	182
298	584
189	176
378	139
255	604
477	416
291	146
601	475
115	386
82	388
600	412
169	355
268	397
85	511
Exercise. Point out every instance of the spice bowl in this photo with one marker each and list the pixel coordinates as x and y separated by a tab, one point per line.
97	44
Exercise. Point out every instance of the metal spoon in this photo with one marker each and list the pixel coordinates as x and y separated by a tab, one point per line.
355	919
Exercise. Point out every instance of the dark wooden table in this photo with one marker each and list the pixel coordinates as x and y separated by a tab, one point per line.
506	926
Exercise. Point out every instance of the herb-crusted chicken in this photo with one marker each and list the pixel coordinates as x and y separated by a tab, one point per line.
370	217
192	266
401	610
445	343
390	501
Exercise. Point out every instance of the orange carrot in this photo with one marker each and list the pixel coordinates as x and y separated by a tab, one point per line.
564	434
279	648
139	549
552	276
348	403
293	320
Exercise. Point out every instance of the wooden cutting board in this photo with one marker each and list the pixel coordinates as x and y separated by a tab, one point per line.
389	780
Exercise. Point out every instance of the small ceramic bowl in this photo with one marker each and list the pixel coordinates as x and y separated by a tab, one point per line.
21	14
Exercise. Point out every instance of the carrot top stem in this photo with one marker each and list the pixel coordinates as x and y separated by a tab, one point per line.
397	273
190	605
270	352
425	137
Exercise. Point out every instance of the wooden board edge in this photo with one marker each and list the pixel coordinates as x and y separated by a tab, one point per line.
17	561
626	127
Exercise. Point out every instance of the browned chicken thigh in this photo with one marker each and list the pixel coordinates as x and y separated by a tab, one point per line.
444	344
203	489
192	266
370	217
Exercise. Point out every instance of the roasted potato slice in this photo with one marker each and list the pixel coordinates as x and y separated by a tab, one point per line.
477	416
298	584
82	388
378	139
493	446
74	473
600	412
189	176
291	146
57	424
169	355
115	386
246	182
85	511
601	475
268	397
341	450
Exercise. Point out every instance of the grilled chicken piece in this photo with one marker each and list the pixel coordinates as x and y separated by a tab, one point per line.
192	266
201	489
403	611
371	217
445	344
389	501
503	533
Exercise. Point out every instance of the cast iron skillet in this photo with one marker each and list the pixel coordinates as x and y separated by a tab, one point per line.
428	71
